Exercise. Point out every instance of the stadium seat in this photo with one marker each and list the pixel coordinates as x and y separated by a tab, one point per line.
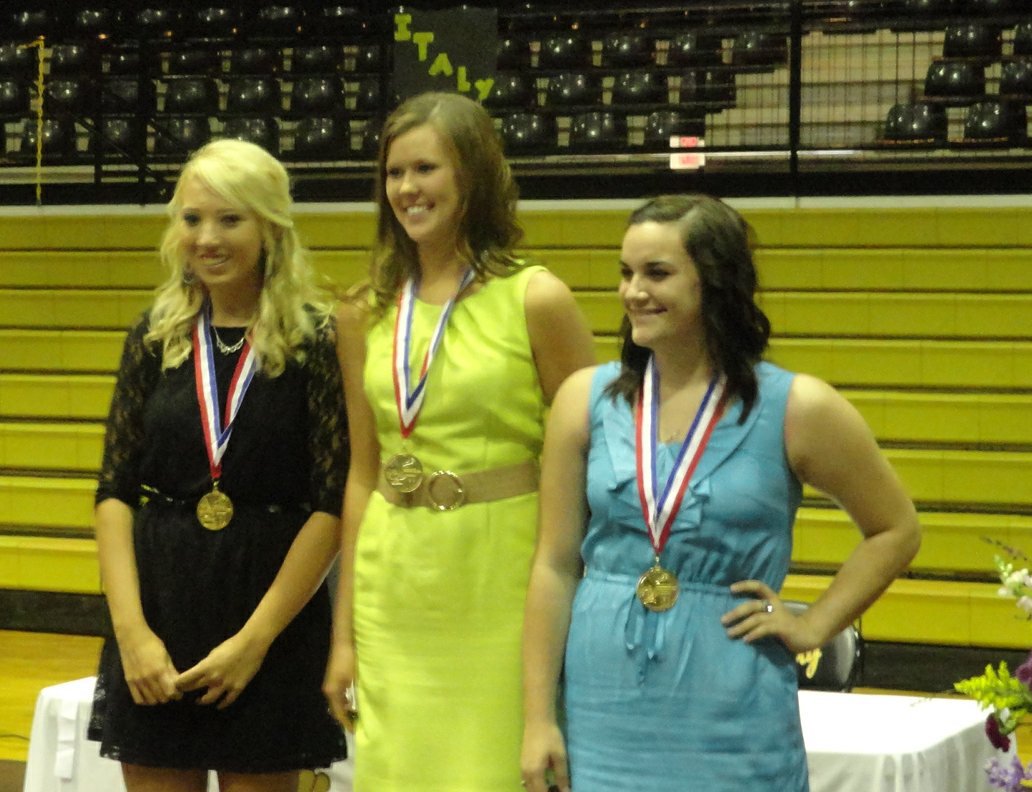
94	23
627	49
512	89
316	59
157	22
133	61
370	145
367	97
695	49
1023	39
276	21
322	138
333	19
513	53
996	123
640	87
263	131
572	89
69	95
1016	80
755	49
598	130
29	23
198	61
128	95
254	95
919	122
836	665
175	137
17	63
191	95
317	96
717	91
564	51
254	60
59	141
955	82
661	125
528	133
76	60
14	98
972	40
209	22
367	59
121	139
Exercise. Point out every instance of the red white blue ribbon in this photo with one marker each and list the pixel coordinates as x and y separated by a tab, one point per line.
409	400
217	428
660	508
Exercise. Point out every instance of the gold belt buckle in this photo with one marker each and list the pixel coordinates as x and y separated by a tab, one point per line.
454	496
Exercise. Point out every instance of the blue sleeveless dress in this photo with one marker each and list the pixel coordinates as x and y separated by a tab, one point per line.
666	701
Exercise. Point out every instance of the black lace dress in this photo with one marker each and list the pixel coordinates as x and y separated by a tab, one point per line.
287	457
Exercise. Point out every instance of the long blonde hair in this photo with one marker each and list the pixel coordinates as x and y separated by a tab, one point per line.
488	230
290	307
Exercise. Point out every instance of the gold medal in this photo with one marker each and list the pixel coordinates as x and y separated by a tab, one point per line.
403	472
657	589
214	509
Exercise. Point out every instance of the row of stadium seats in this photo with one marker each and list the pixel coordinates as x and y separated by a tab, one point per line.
321	138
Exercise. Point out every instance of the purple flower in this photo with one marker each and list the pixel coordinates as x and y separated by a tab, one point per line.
1023	673
1007	775
996	737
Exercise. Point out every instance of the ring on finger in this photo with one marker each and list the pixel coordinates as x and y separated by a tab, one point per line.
768	606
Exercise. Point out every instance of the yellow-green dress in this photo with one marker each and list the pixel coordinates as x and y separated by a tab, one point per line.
438	608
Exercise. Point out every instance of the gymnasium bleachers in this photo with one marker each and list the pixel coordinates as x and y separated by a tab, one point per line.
921	316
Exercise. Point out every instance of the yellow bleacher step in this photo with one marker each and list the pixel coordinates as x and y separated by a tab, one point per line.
866	314
943	417
56	446
952	542
34	502
847	362
61	350
979	270
993	478
79	308
90	269
39	563
75	396
931	611
896	269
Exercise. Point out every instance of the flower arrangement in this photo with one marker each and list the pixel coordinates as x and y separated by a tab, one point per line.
1008	696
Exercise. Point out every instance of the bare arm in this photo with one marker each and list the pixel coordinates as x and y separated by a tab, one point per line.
554	576
148	669
559	335
362	479
831	448
231	665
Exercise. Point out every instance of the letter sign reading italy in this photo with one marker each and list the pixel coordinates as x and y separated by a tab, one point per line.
450	50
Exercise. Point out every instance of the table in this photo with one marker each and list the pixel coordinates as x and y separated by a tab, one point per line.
857	742
61	759
854	743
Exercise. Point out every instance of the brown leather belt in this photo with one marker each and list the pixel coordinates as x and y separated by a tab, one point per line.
444	490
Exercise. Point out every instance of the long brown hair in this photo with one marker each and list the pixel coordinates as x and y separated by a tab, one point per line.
488	230
719	242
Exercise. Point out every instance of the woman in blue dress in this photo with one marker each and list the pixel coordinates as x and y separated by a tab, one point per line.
660	584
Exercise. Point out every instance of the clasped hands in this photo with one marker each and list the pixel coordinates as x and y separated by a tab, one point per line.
223	674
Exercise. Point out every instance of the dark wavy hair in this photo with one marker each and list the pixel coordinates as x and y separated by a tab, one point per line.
719	242
488	230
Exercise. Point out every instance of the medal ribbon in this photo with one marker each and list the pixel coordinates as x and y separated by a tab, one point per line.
217	428
409	400
661	508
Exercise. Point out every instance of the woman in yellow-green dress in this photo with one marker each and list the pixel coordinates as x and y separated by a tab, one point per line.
449	360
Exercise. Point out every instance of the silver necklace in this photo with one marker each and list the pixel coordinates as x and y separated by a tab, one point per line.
225	348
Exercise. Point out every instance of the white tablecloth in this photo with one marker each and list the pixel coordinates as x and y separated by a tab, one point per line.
854	743
875	743
61	759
